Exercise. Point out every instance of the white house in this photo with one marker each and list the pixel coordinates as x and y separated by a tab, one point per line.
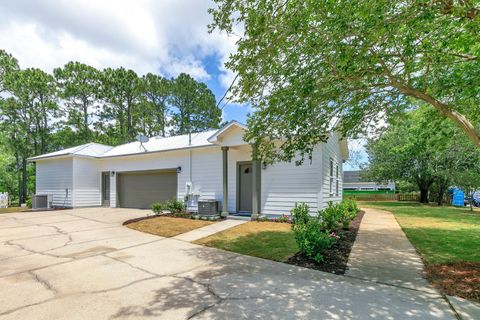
213	165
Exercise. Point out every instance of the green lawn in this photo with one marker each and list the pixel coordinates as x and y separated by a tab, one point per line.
268	240
440	234
12	209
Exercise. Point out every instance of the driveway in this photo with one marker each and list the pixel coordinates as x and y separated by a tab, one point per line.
83	264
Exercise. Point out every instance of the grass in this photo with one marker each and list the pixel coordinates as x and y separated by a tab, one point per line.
12	209
441	234
167	226
268	240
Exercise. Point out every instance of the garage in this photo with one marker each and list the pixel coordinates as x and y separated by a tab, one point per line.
141	189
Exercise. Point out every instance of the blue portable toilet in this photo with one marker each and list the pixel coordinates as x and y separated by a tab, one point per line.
458	199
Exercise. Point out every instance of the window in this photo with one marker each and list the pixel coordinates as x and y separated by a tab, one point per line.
337	185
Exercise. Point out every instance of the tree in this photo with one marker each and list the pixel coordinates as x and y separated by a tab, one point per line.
26	118
8	64
303	64
423	148
121	90
193	106
155	93
79	86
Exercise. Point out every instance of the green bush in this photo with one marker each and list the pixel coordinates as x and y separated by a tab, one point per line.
300	214
351	207
29	203
312	240
330	216
175	206
157	207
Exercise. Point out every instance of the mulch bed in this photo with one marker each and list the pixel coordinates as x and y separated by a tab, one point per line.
456	279
337	257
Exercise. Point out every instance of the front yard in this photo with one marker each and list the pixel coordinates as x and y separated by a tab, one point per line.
448	239
268	240
166	226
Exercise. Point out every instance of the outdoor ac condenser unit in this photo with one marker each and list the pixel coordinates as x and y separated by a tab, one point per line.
208	207
41	201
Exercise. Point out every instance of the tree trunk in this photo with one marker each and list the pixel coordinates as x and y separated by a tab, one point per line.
442	188
423	195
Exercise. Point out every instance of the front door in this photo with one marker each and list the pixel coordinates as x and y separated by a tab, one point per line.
106	189
245	187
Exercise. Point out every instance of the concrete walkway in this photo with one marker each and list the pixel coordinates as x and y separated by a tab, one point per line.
382	253
208	230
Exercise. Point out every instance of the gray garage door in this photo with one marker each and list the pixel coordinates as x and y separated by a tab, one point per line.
141	189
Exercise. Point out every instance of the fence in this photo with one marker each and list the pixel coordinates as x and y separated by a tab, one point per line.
408	197
3	200
384	197
373	197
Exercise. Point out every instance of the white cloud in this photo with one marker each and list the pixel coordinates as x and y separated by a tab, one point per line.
166	37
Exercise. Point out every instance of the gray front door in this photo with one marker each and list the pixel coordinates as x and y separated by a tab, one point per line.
245	187
141	189
106	189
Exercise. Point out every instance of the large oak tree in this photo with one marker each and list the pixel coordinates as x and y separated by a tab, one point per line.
304	63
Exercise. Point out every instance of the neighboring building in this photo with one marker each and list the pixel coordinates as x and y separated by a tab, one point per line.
353	182
215	165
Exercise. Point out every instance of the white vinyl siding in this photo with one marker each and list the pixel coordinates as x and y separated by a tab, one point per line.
284	184
330	181
86	182
54	177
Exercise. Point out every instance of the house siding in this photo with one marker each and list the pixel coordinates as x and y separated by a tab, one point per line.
206	170
284	184
54	177
331	150
86	182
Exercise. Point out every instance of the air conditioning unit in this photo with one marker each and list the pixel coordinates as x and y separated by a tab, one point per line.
208	207
41	201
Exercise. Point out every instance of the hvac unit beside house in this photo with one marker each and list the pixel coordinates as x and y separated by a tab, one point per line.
41	201
207	207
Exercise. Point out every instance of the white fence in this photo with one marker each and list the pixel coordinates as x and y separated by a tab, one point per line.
3	200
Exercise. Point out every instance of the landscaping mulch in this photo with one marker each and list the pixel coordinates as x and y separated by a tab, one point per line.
456	279
337	257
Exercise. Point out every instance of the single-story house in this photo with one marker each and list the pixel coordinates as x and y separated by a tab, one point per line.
352	181
211	165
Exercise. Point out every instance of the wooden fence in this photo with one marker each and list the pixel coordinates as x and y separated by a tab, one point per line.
385	197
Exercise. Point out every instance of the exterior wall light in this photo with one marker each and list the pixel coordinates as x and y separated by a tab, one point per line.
112	173
264	165
179	169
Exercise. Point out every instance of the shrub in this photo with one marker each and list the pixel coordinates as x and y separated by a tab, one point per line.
311	240
300	214
175	206
157	207
330	216
351	207
29	203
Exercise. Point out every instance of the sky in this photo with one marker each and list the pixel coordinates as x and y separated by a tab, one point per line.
166	37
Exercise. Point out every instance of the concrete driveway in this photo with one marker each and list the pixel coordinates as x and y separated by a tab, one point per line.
82	264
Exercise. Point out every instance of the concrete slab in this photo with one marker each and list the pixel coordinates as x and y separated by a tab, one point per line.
113	272
468	310
94	274
208	230
382	253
